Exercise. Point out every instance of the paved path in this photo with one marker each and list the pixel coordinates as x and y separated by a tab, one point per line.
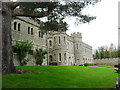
102	67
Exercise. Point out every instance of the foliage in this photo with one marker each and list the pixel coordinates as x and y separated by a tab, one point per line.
57	11
21	48
89	64
61	77
106	52
54	26
39	56
25	60
118	66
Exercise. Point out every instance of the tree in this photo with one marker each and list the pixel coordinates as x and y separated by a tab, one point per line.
115	53
39	56
106	53
102	52
53	10
119	51
111	48
21	48
96	55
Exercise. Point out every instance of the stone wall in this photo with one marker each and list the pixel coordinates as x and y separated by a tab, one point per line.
22	35
108	61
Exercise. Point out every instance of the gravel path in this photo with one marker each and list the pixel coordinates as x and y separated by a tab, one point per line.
102	67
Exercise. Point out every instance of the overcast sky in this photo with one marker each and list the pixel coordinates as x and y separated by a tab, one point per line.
104	29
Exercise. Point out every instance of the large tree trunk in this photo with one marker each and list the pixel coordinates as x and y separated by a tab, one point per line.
7	54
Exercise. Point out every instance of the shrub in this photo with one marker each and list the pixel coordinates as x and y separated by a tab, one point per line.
39	56
25	60
118	66
21	48
89	64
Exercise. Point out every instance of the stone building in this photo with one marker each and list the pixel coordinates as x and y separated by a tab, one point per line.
68	50
24	28
62	48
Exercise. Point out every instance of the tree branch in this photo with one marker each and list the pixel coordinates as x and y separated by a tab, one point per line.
20	12
13	5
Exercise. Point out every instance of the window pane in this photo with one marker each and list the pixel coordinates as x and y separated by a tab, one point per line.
50	42
50	58
59	40
31	31
59	56
64	39
65	56
77	46
28	30
19	27
15	24
54	40
39	34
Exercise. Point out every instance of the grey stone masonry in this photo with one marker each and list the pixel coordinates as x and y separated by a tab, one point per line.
62	48
24	28
68	50
107	61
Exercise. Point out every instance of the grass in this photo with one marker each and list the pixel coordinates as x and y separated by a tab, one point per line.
0	81
61	77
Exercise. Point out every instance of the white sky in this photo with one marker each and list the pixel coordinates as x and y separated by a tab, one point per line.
104	29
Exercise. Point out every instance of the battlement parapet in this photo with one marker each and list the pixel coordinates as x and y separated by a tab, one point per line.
76	34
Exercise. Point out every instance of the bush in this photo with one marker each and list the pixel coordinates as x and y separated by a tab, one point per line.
118	66
89	64
81	65
39	56
25	60
21	48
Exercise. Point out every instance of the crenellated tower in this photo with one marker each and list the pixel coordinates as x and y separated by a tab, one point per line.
77	39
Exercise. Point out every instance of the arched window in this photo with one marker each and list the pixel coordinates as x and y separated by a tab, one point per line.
19	27
39	34
50	43
31	31
59	40
59	56
28	30
15	25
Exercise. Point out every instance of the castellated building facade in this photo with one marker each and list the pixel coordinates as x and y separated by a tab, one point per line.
62	48
68	50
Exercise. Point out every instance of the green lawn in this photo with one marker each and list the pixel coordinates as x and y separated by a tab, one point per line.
61	77
0	81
